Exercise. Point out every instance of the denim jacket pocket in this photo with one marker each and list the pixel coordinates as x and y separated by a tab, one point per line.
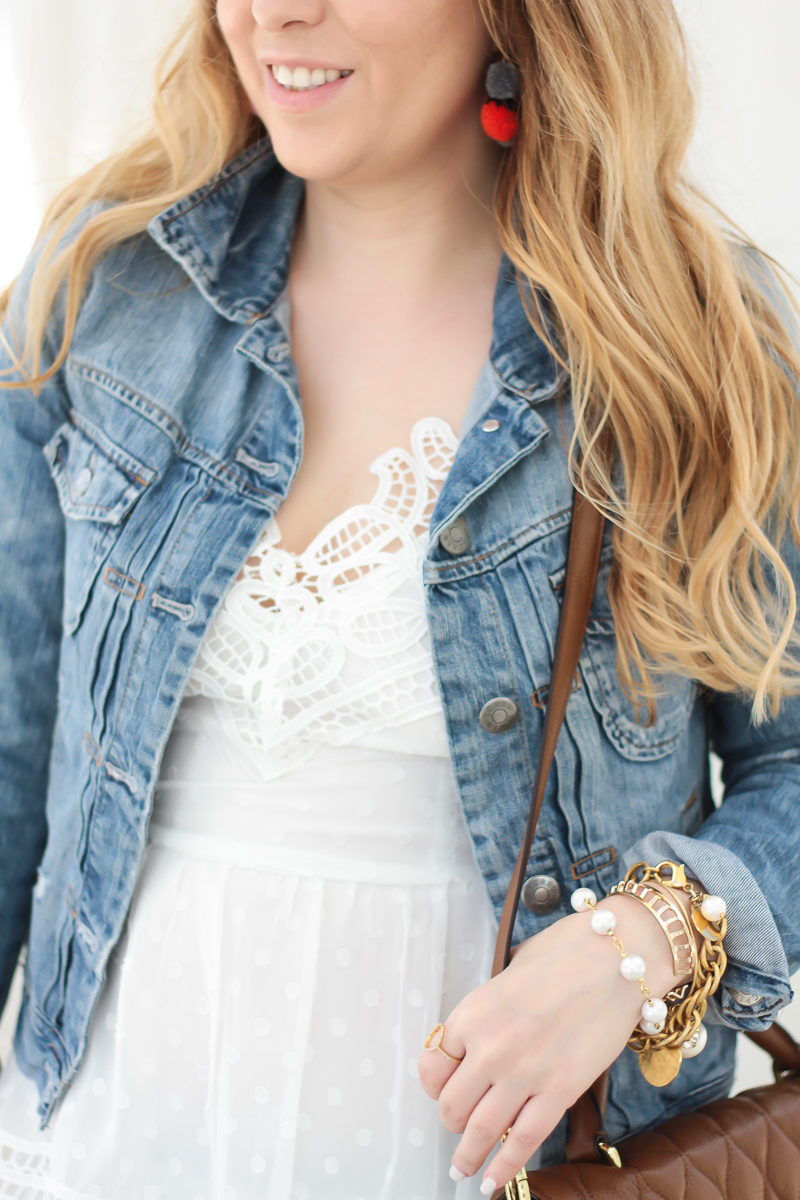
630	736
98	483
620	722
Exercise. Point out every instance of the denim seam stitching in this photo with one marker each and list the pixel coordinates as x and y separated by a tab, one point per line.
118	455
512	678
138	647
595	866
448	572
184	612
207	191
125	394
133	595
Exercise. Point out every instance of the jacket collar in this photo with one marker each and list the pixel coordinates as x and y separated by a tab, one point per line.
233	236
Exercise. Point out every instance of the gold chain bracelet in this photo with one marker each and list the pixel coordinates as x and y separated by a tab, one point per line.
671	1029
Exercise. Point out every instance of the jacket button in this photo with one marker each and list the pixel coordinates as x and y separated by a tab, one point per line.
455	538
82	481
748	999
541	894
499	714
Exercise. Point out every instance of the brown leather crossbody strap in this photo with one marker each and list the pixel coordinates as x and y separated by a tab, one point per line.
583	559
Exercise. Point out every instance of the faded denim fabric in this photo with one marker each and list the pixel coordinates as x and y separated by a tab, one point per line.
133	488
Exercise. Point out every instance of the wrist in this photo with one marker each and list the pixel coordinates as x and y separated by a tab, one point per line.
642	934
646	953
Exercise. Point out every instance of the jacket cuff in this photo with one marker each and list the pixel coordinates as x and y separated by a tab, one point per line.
756	984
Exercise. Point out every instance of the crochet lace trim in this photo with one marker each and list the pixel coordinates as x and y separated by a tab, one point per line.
332	643
25	1173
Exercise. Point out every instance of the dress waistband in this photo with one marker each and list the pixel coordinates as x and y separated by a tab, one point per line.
349	813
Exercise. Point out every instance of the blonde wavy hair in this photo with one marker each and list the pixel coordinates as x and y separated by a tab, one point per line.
687	421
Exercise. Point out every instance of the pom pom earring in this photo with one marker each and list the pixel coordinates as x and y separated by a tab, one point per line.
499	116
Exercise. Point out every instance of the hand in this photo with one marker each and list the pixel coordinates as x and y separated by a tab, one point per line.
536	1036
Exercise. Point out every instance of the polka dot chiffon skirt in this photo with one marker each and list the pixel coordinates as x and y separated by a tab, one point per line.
301	922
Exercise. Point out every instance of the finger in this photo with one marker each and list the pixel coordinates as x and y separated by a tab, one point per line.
441	1056
535	1121
488	1120
461	1095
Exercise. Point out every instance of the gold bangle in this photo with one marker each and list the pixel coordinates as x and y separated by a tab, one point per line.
672	920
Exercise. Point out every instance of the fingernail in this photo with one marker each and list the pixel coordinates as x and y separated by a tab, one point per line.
488	1186
456	1175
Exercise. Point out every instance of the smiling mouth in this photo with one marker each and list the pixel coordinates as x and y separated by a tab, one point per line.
304	79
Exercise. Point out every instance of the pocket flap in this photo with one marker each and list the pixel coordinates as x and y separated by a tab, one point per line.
96	479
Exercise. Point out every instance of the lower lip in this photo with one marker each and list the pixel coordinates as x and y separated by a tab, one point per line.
302	101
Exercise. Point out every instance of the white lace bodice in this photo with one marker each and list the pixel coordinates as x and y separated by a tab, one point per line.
331	645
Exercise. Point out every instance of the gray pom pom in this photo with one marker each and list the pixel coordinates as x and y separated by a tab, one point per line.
502	81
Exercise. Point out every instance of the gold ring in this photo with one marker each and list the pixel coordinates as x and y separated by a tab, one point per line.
438	1032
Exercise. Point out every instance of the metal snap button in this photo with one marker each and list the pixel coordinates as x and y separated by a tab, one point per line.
278	353
455	537
491	425
747	999
541	894
499	714
82	481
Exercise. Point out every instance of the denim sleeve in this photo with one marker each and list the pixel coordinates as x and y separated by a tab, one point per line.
31	573
748	850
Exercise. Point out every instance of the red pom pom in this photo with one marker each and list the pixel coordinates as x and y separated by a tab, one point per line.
499	122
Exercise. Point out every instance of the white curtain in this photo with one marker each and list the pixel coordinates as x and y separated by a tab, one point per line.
75	79
746	151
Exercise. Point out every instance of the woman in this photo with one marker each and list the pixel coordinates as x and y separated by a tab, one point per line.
265	779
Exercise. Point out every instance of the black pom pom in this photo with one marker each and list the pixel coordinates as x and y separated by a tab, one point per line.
502	81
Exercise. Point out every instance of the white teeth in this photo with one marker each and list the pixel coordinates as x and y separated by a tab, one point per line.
302	79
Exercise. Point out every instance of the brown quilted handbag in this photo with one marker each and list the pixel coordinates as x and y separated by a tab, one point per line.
746	1147
743	1148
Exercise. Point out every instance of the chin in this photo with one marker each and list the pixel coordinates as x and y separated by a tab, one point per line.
315	163
305	166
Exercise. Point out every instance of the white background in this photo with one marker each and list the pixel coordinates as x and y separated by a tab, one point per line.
75	78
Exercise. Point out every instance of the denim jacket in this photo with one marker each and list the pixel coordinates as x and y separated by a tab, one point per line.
134	486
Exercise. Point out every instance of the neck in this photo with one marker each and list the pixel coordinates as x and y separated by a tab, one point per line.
436	224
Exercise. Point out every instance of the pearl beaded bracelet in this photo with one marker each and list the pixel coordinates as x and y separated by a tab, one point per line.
632	966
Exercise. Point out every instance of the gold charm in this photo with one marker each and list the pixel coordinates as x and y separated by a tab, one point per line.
517	1188
660	1067
704	926
611	1153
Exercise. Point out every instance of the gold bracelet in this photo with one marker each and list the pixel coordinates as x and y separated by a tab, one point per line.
672	920
661	1051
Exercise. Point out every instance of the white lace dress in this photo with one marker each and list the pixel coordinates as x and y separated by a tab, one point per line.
309	905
